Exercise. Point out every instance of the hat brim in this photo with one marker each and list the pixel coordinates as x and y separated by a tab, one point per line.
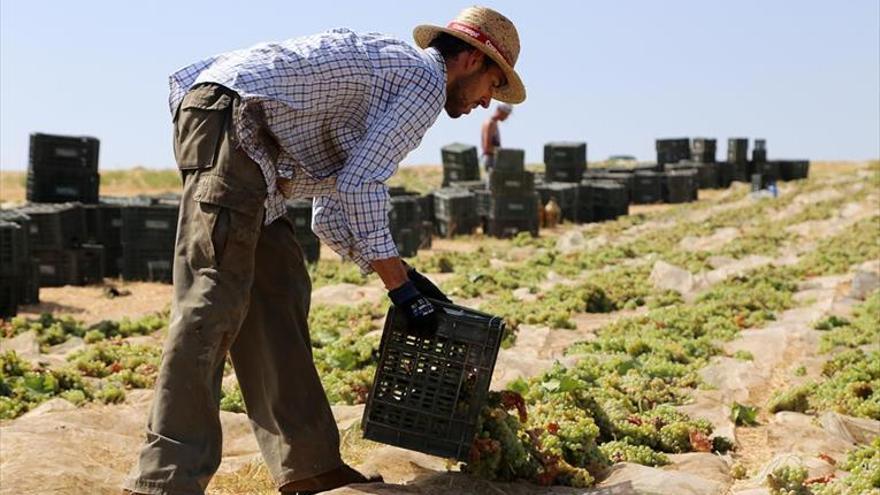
512	92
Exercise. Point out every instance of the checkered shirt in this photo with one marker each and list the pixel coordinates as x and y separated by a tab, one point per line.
345	109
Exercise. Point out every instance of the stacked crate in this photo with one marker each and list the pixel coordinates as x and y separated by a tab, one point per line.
148	234
793	169
455	211
104	227
405	220
672	150
460	163
565	161
57	235
623	176
13	245
738	159
609	199
566	196
510	205
19	267
703	150
647	187
681	186
299	211
426	207
62	169
759	152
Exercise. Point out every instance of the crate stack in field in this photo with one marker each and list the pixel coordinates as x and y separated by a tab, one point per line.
148	232
18	271
672	150
510	205
737	166
299	212
682	182
455	211
460	163
60	246
565	161
62	169
604	195
405	221
703	151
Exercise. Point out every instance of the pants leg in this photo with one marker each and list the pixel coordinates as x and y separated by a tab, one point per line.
272	355
220	218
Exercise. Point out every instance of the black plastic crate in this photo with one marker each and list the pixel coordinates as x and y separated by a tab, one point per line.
703	150
57	267
142	263
55	226
793	169
565	154
679	187
610	199
761	182
469	185
151	228
738	150
405	211
453	203
73	152
510	160
103	223
625	179
708	176
524	207
460	162
509	227
584	209
13	249
770	169
647	187
90	264
60	185
426	206
564	172
484	201
456	226
503	183
759	155
9	297
428	393
564	193
672	150
29	283
408	240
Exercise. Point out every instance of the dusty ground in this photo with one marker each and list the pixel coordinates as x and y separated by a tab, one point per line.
61	449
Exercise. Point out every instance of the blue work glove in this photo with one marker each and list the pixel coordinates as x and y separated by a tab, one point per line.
420	314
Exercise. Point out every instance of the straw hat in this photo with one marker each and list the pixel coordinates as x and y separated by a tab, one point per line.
491	33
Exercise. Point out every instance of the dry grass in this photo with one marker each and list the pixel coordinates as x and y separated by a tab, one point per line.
421	178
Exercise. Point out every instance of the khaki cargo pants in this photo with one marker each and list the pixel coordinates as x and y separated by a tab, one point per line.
240	287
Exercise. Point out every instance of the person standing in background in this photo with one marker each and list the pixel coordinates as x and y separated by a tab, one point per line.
491	139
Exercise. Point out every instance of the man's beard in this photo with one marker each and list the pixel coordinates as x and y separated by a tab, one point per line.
456	101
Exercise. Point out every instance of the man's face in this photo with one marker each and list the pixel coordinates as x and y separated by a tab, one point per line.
475	87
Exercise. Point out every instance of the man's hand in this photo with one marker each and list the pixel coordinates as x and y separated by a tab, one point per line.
424	285
418	311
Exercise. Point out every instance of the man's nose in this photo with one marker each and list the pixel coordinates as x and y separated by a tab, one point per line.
484	101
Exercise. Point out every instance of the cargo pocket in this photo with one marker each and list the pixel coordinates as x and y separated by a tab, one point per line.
199	127
232	216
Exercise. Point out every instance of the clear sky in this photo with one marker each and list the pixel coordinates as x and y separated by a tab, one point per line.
805	75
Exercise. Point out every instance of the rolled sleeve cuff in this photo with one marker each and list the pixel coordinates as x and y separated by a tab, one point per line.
378	245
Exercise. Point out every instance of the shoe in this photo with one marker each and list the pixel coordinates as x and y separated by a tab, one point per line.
341	476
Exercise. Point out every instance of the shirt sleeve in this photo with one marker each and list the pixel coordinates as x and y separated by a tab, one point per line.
330	224
361	192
